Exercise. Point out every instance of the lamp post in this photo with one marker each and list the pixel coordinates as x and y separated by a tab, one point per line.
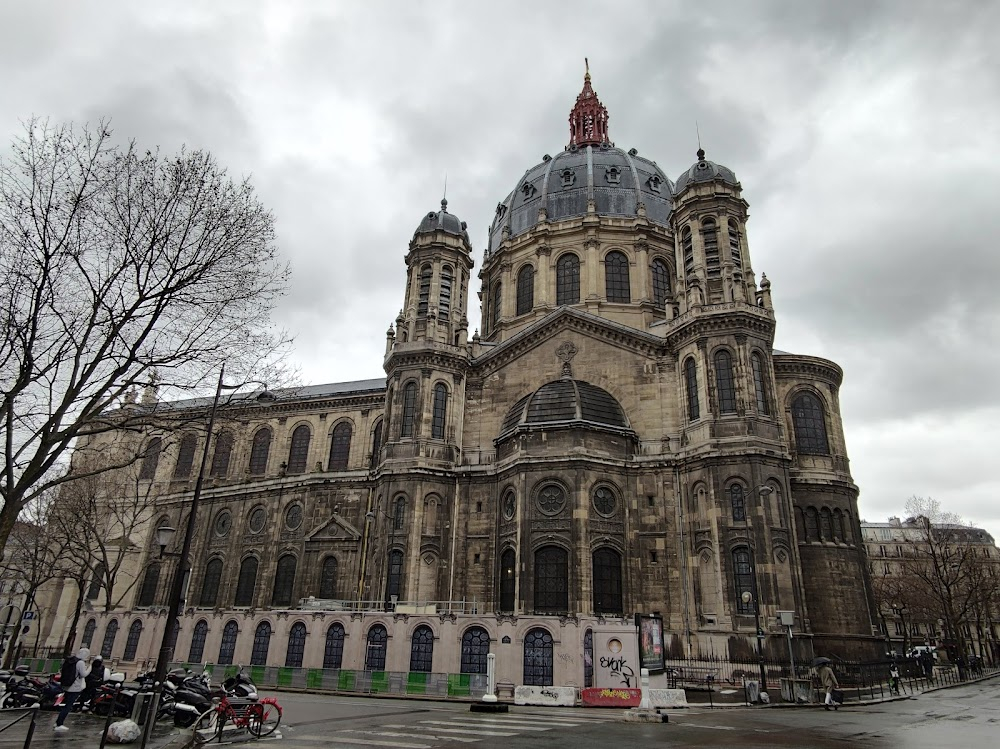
761	491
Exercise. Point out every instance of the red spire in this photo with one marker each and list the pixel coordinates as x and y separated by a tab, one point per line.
588	121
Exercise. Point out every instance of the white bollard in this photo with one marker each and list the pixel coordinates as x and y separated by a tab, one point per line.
644	702
491	680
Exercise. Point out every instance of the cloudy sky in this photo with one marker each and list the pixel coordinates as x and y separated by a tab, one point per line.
866	136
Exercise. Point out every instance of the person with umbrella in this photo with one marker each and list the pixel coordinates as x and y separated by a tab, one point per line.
827	680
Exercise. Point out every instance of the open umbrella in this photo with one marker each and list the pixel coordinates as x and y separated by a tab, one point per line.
819	661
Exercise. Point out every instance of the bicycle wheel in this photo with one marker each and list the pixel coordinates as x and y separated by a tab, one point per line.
263	718
207	727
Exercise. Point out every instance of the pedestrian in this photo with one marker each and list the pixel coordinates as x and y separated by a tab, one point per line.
95	678
81	670
828	680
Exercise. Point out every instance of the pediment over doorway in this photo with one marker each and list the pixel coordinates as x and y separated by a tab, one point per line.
336	528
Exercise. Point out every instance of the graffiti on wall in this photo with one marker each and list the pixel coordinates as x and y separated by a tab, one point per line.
618	669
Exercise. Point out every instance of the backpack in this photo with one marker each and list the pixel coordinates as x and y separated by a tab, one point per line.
67	672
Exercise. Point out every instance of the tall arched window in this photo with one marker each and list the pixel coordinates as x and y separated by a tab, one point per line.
150	459
260	449
687	248
284	581
261	644
743	580
568	280
508	572
132	641
394	580
399	513
661	282
246	583
298	453
88	633
96	582
551	580
724	386
810	425
444	292
328	579
228	646
340	446
737	502
333	653
838	526
734	244
425	290
150	581
210	583
616	281
108	646
496	307
222	455
409	409
375	648
588	659
185	456
759	384
607	582
812	524
198	638
376	446
438	416
296	645
525	289
422	649
825	525
710	241
475	648
691	385
538	658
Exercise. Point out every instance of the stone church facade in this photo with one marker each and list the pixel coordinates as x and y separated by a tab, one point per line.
620	438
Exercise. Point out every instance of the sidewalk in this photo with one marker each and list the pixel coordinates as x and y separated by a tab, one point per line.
84	731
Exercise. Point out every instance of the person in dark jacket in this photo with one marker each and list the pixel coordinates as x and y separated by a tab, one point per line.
73	690
94	679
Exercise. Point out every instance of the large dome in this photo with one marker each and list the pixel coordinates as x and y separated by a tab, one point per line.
564	401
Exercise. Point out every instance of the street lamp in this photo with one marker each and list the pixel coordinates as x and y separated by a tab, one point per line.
761	491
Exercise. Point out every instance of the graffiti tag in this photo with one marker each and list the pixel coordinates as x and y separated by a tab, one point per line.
619	669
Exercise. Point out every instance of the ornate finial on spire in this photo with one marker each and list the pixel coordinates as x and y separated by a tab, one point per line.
444	205
588	120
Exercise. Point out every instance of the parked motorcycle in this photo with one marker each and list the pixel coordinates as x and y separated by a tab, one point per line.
191	699
22	690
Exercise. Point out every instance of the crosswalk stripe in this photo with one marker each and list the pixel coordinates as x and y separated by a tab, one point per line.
472	731
338	739
517	720
401	735
462	724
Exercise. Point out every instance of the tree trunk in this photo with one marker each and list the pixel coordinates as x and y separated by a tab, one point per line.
71	637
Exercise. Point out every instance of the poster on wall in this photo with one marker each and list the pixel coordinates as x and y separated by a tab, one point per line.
651	654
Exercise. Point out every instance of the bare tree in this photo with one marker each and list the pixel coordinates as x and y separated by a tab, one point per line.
119	266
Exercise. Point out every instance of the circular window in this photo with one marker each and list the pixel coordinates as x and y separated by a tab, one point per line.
551	499
223	522
257	519
293	517
509	503
604	500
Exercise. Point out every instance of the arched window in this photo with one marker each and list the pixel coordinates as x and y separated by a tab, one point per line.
444	293
340	446
724	382
409	409
284	581
185	456
838	526
222	455
376	446
96	582
691	385
394	581
425	290
246	583
109	639
525	289
710	241
132	641
688	249
147	593
496	307
551	580
588	659
825	525
198	638
475	648
616	281
375	648
607	582
508	575
743	580
810	425
568	280
88	633
150	459
737	502
538	658
399	513
422	649
333	653
661	282
260	449
298	453
328	580
296	645
261	644
812	524
440	405
210	583
734	244
228	647
759	384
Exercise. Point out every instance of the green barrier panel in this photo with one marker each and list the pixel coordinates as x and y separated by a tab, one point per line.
257	675
416	683
285	674
458	685
346	681
314	678
380	682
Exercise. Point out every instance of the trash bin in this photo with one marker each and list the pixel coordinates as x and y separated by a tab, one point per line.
141	706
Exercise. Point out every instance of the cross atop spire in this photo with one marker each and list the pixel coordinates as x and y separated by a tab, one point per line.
588	120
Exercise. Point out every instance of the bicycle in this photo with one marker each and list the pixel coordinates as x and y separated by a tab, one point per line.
259	718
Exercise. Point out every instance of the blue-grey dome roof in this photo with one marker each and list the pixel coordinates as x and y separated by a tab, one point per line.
616	180
442	221
566	400
705	171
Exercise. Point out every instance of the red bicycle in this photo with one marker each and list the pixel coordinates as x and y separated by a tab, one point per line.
258	718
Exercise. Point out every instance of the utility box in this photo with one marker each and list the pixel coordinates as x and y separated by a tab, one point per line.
141	707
